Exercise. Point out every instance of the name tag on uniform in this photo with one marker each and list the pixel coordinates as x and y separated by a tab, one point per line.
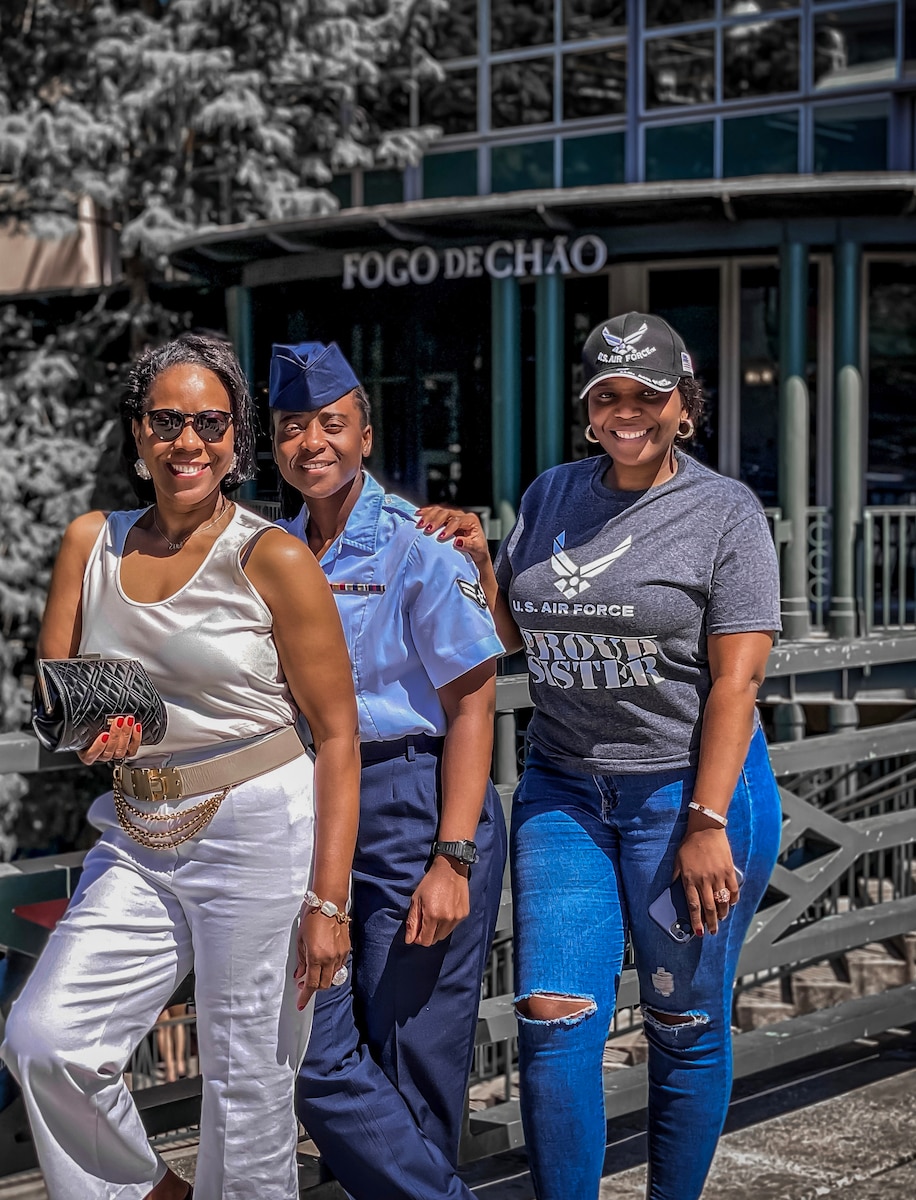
360	589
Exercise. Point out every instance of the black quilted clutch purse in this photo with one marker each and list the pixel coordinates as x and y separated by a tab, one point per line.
75	698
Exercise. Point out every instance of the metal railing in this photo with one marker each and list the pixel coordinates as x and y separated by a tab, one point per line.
889	568
886	565
818	556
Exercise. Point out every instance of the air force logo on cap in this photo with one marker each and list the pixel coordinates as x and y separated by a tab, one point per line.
308	375
637	346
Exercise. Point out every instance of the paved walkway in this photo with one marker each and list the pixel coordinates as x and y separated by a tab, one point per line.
841	1127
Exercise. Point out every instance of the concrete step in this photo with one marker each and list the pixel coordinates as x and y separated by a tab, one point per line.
626	1049
820	986
874	968
875	890
762	1005
905	946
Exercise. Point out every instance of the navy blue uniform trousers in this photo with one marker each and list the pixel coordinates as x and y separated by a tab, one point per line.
382	1090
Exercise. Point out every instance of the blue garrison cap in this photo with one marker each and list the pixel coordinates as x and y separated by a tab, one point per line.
308	376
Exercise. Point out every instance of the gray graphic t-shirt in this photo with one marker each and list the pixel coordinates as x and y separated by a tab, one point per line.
615	594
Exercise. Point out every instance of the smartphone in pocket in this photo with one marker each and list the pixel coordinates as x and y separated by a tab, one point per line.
670	911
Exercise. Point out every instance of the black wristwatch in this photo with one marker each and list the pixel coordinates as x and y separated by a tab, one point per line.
464	852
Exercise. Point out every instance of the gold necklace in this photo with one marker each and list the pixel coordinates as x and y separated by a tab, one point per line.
173	546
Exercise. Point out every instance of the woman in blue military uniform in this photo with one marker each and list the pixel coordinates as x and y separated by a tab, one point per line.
382	1089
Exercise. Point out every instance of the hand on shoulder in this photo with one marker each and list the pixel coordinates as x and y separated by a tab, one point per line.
452	524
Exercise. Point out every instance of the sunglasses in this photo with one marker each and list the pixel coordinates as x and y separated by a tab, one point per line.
167	423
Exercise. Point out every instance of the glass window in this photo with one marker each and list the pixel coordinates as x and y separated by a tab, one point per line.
909	38
680	151
593	18
689	298
452	103
855	46
681	70
760	145
341	186
742	8
851	138
891	477
595	84
450	174
383	187
522	92
676	12
517	23
592	160
515	168
761	59
453	34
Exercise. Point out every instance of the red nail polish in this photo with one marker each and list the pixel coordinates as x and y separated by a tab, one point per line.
138	727
120	722
429	528
130	721
104	737
459	542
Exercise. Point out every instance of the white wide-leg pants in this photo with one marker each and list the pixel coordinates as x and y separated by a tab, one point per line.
226	902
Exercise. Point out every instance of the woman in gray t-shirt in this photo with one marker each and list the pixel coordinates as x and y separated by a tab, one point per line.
643	589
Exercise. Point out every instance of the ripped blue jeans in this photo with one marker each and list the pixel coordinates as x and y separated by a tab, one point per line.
589	855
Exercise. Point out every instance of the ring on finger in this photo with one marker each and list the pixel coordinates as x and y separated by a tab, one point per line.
722	896
339	977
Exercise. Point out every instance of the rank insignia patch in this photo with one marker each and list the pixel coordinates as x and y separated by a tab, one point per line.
473	591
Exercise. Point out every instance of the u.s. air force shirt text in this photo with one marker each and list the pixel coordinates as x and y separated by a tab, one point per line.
615	594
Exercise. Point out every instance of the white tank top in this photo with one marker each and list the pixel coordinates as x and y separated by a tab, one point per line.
208	648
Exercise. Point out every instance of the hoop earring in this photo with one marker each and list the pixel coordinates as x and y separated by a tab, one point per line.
686	434
590	435
142	470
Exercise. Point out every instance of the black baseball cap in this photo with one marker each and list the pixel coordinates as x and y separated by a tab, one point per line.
636	346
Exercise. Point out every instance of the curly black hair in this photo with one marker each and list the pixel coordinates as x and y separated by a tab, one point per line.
694	401
197	350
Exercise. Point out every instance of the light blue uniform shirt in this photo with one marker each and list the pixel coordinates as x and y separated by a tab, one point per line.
429	625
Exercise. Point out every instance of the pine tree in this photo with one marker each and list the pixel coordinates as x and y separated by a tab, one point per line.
173	116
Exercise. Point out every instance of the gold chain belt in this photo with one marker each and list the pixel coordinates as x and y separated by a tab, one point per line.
156	784
186	823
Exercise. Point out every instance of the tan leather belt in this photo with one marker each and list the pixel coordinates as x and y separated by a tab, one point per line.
155	784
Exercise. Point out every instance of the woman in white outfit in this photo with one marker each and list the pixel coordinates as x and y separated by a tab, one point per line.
204	862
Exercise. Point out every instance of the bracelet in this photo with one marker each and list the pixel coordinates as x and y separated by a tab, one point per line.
708	812
327	908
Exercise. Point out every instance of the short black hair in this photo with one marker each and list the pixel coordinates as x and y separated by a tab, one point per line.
190	349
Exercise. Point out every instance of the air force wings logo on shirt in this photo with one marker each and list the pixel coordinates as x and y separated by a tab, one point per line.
473	591
575	580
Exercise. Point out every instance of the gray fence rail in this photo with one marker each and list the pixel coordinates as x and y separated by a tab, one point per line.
845	880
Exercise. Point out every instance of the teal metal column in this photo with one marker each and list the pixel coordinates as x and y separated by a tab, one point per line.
847	440
549	370
241	334
506	336
793	435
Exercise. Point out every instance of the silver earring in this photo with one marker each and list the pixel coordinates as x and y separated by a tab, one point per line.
234	462
686	434
590	435
142	469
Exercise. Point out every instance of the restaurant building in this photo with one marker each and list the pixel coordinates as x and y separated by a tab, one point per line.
745	168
